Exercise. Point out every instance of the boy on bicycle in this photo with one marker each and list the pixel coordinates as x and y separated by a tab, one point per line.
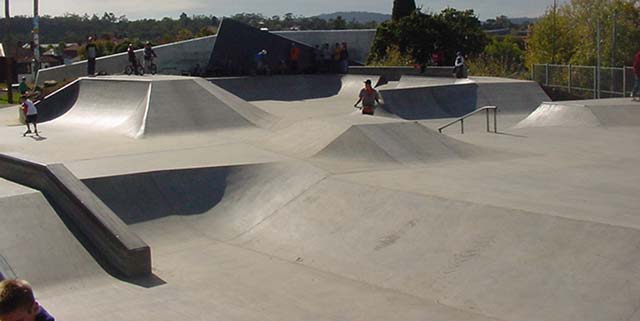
132	58
149	54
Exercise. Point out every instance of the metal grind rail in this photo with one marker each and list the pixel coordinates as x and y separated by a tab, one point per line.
461	119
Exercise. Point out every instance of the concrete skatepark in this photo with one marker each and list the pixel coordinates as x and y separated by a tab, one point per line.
272	198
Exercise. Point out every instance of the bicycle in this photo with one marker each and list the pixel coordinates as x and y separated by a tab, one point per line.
150	67
139	70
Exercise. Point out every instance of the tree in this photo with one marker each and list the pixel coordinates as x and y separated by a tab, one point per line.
402	8
419	35
568	35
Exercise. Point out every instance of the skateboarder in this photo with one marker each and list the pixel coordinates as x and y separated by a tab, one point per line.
636	72
31	115
368	97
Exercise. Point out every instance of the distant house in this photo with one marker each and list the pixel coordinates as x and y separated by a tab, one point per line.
25	59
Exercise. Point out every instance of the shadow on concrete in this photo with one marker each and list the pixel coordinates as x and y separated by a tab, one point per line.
58	103
431	102
281	88
143	197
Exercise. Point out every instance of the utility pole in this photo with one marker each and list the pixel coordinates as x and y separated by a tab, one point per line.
554	34
598	58
36	39
613	42
8	60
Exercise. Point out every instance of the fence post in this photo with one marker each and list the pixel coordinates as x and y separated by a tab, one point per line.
533	72
624	81
546	74
595	82
569	78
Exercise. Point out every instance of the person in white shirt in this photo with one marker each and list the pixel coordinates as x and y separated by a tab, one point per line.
458	69
31	115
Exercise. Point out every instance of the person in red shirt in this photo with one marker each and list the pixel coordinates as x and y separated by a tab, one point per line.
636	72
294	56
368	96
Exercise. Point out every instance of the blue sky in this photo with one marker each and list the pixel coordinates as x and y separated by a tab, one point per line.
135	9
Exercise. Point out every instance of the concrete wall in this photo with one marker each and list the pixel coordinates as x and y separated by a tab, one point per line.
173	59
358	41
176	58
111	239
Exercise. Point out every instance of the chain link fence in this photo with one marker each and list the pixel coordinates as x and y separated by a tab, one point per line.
586	81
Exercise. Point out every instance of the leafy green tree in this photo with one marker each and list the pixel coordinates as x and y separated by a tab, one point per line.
568	34
338	23
419	35
402	8
501	58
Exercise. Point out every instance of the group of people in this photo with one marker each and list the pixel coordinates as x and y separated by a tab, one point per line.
334	59
323	59
91	52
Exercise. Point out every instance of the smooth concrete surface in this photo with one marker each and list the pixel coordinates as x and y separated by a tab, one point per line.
326	214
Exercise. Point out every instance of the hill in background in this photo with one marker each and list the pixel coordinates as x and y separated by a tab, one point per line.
358	16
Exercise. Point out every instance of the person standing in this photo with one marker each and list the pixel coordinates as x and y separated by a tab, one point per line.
132	58
17	302
91	53
326	58
636	72
344	59
337	53
148	55
369	97
261	66
294	57
23	88
31	115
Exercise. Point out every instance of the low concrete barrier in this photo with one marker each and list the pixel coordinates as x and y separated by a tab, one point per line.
106	234
394	73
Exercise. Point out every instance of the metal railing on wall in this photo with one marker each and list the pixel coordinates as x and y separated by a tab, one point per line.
585	80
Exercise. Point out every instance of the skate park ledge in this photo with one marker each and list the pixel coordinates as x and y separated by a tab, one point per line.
105	235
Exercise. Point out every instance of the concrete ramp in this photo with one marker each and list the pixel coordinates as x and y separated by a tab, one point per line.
34	242
144	106
428	98
221	202
113	105
395	142
585	113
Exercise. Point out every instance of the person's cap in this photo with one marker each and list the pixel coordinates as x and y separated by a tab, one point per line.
23	96
368	81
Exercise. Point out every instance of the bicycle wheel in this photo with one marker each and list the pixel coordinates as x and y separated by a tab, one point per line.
128	70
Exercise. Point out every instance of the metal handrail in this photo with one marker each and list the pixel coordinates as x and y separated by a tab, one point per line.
461	119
